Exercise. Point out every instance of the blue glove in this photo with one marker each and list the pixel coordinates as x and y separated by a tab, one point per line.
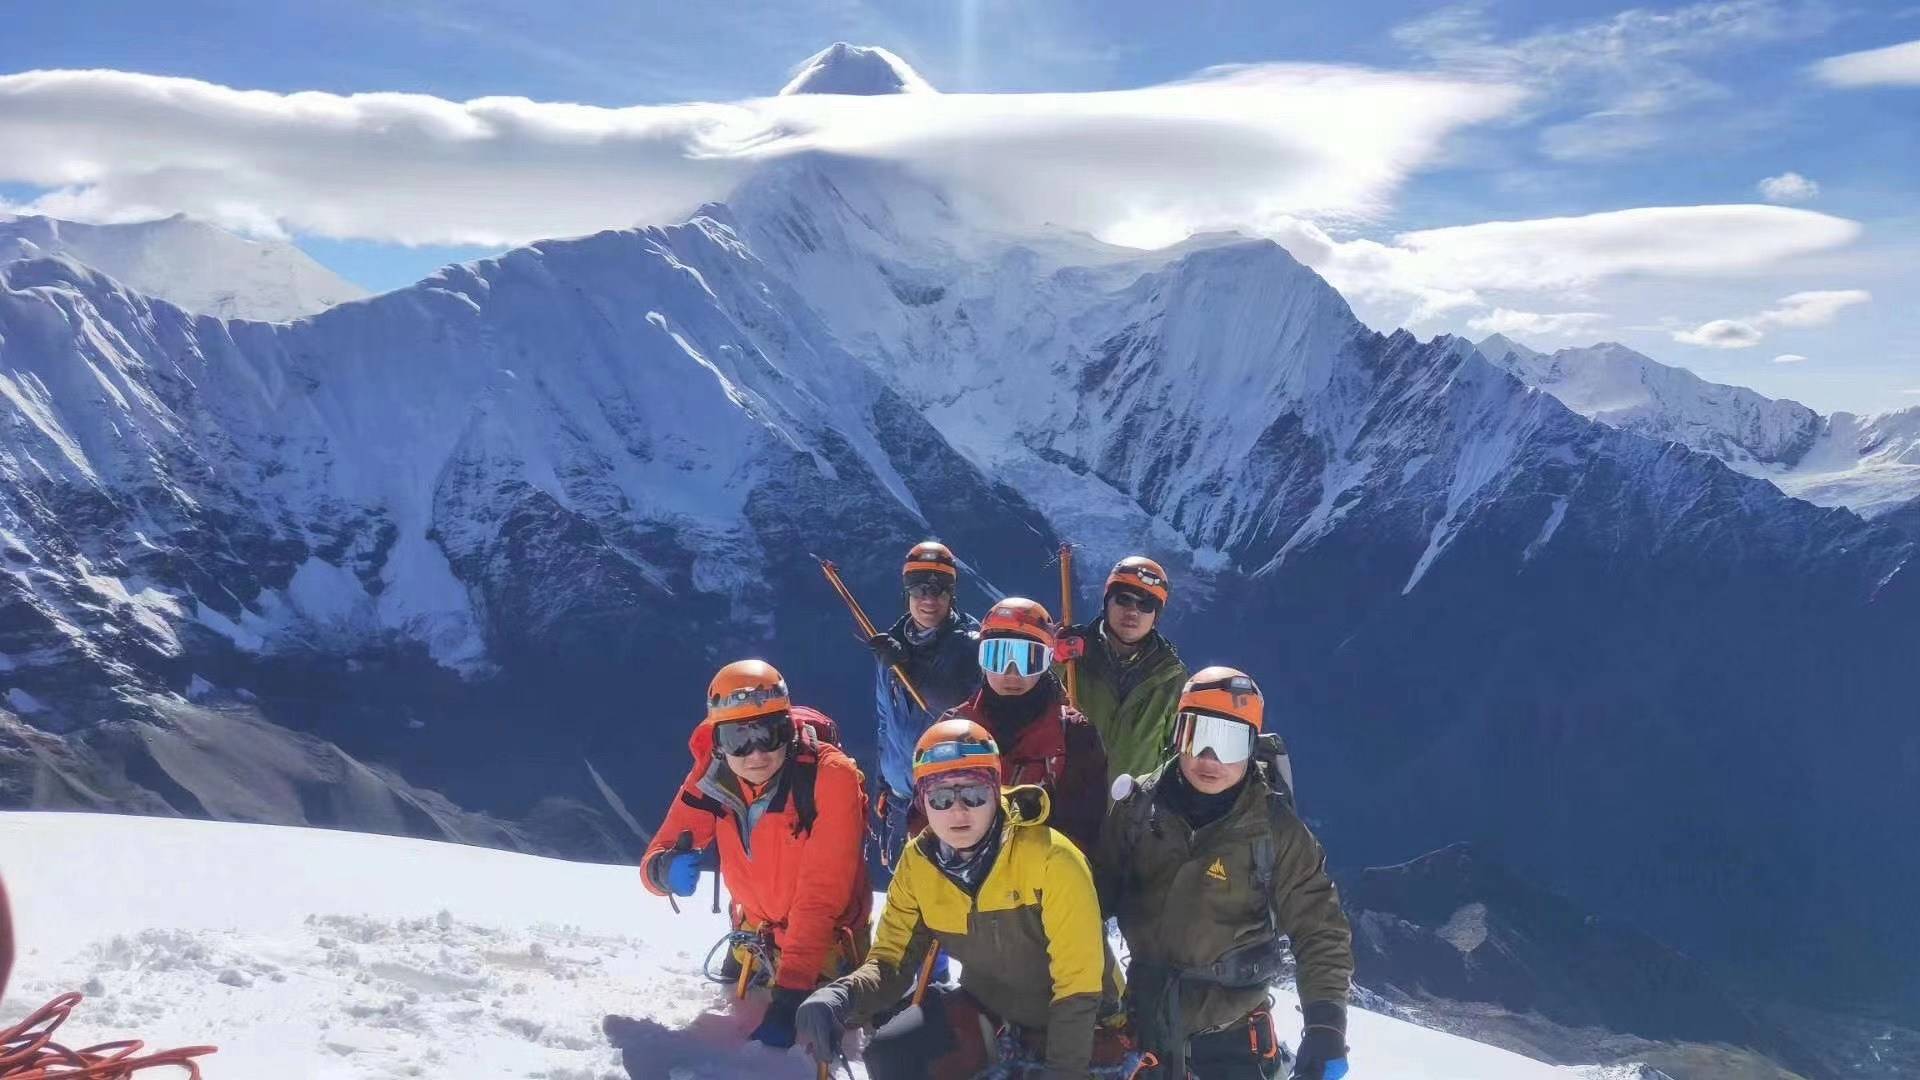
776	1027
678	872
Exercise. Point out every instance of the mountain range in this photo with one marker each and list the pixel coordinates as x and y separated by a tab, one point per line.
457	560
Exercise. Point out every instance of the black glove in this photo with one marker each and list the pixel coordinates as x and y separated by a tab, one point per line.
887	649
776	1026
1323	1042
818	1022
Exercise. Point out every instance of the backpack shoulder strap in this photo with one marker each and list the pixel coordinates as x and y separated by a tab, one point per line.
806	771
1280	810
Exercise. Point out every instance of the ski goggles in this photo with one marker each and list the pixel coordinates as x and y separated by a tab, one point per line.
1196	733
748	695
972	796
1026	658
743	737
957	749
1134	601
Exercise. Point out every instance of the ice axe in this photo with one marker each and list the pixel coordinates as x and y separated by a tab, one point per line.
866	627
1066	619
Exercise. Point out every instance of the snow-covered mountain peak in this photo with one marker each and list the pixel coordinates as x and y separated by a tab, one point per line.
1614	384
841	68
1869	464
1497	346
189	263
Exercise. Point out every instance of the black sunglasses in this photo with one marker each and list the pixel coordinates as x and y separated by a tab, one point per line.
927	590
974	796
1135	602
745	737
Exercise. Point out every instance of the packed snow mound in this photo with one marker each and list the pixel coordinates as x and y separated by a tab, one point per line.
314	955
841	68
188	263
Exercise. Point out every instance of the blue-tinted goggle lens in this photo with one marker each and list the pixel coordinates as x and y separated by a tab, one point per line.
1026	658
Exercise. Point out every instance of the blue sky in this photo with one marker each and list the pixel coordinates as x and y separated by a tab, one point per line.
1662	106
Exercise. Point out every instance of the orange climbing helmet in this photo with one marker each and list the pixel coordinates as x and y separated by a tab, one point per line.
1224	692
746	690
1019	617
932	558
1140	573
954	745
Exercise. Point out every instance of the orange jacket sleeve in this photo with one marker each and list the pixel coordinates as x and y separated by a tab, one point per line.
831	860
682	817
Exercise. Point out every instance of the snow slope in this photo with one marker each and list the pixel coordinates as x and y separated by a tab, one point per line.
315	955
1868	464
197	266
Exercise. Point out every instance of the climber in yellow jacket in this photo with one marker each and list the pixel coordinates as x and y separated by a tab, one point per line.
1009	898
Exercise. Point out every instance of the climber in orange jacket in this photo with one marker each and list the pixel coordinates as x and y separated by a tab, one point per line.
788	809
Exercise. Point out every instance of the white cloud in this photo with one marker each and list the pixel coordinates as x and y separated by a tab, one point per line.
1801	309
1624	77
1421	278
1536	324
1812	308
1722	334
1895	65
1788	187
1789	358
1248	146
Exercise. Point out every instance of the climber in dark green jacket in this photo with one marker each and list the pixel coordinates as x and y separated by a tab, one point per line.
1129	676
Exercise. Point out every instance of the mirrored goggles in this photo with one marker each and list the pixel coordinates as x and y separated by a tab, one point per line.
1230	740
743	737
1025	658
941	753
972	796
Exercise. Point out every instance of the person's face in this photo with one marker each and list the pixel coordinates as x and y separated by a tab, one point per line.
1128	615
961	826
929	604
1010	684
1208	775
758	767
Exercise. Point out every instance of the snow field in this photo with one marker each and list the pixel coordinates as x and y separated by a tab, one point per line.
306	954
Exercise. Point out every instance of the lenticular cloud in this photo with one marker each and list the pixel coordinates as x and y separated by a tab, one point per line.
1240	147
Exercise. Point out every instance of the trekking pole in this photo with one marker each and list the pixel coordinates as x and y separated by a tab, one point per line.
866	627
1066	618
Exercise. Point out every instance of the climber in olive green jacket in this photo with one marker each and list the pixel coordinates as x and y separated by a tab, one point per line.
1207	868
1128	675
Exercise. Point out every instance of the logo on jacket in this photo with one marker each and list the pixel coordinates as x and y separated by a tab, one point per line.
1218	871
